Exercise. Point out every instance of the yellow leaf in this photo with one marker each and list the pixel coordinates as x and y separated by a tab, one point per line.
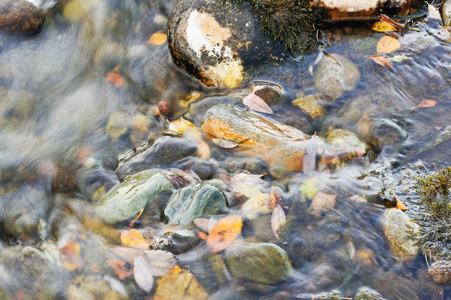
175	270
224	233
399	204
158	38
387	44
132	238
382	27
309	188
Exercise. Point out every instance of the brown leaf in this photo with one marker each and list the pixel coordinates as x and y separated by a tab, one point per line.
158	38
115	79
256	103
164	109
276	198
132	238
121	268
142	274
386	19
278	219
383	61
224	233
427	103
387	44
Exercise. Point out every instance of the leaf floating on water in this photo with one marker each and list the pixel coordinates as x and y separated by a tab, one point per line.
387	44
158	38
121	268
382	27
278	219
224	143
383	61
427	103
142	273
224	233
256	103
399	204
115	79
132	238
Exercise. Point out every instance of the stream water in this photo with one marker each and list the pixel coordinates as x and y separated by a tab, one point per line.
87	87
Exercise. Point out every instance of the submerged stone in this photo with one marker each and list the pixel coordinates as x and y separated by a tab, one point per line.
217	42
194	202
441	271
402	234
366	293
262	262
335	74
147	190
20	16
446	13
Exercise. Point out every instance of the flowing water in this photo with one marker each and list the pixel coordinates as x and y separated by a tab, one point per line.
62	102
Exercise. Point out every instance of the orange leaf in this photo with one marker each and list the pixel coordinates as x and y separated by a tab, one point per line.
158	38
175	270
256	103
224	233
134	220
382	27
202	235
121	268
427	103
132	238
399	204
387	44
383	61
115	79
70	255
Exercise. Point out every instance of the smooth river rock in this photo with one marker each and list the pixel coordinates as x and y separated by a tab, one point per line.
20	16
441	271
218	42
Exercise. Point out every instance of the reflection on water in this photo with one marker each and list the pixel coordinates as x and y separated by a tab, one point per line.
87	87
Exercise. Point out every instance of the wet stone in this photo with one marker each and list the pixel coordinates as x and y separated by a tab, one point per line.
260	262
366	293
402	234
446	13
19	16
313	105
194	202
148	190
335	74
218	42
273	94
441	271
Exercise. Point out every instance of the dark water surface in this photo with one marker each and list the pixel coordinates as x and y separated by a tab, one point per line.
62	108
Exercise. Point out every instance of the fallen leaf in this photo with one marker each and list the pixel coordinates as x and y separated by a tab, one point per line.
132	238
245	189
205	224
158	38
383	61
383	26
278	219
256	103
70	255
159	261
224	143
309	188
251	179
258	205
386	19
164	110
142	273
276	198
175	270
323	202
126	253
387	44
433	12
224	233
399	204
115	79
181	285
135	219
202	235
121	268
427	103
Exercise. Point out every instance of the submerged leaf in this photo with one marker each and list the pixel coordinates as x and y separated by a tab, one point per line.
115	79
158	38
224	233
142	273
258	205
159	261
427	103
383	61
256	103
179	285
121	268
278	219
387	44
132	238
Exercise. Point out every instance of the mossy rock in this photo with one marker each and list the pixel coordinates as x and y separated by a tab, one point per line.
260	262
194	202
147	190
